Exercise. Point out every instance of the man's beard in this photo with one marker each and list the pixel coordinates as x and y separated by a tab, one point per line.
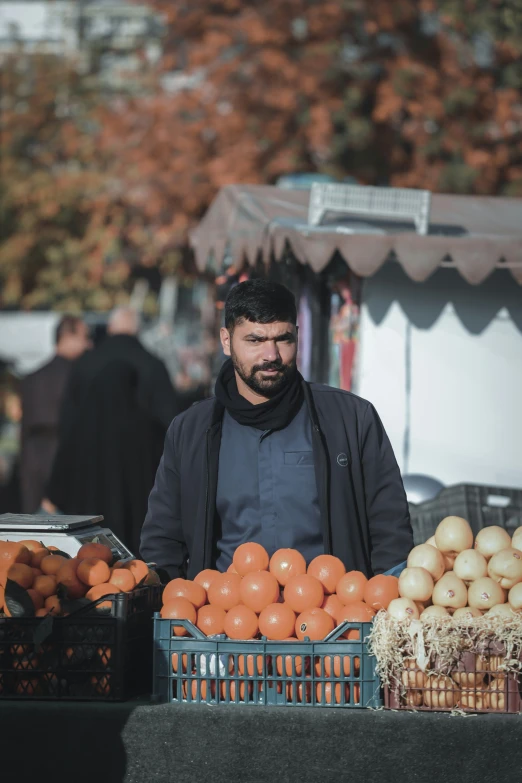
267	387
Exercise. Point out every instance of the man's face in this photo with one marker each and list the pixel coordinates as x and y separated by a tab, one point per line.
263	355
79	341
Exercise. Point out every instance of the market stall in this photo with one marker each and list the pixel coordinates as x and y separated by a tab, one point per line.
403	318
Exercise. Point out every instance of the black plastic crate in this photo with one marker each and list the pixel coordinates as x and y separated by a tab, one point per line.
481	505
93	654
335	672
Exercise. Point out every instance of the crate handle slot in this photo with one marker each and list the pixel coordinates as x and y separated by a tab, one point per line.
188	626
498	501
334	635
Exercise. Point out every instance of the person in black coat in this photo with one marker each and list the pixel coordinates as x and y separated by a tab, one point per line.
41	395
275	460
118	405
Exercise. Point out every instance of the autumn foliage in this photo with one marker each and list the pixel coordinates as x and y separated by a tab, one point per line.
412	93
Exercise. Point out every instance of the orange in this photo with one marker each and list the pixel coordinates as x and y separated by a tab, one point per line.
179	609
211	620
277	621
350	587
123	579
333	605
357	612
204	578
224	591
67	576
28	687
380	591
101	684
13	552
286	563
21	574
332	692
303	592
36	572
38	555
51	564
236	690
32	546
98	591
175	662
202	690
37	598
138	569
104	654
99	551
250	557
249	668
315	624
184	588
93	571
327	662
301	690
53	605
259	589
41	612
289	662
231	569
45	585
241	623
118	564
328	569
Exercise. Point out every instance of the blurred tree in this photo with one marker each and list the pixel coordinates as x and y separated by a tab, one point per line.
414	93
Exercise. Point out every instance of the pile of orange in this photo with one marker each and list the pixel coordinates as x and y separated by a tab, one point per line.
91	574
278	597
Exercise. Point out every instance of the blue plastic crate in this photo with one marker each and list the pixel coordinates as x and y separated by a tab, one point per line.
197	669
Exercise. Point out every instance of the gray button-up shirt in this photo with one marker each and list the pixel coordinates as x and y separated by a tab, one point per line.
267	490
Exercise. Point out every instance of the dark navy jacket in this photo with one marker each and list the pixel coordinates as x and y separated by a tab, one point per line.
364	512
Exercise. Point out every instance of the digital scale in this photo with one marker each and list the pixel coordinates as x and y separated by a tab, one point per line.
68	533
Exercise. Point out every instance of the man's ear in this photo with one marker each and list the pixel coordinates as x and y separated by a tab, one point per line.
225	338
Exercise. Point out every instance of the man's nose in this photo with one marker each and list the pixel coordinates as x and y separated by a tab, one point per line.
270	351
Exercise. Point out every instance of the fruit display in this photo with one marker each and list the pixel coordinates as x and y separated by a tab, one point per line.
273	615
36	581
452	639
74	628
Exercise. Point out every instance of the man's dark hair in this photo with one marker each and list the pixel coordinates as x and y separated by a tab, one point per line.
68	324
260	301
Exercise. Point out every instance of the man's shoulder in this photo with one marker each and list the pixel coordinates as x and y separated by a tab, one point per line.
198	415
325	395
54	365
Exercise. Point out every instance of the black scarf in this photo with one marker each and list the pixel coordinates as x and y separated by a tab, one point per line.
274	414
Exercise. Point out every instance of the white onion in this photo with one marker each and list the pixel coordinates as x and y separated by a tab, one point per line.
441	691
416	583
434	611
454	535
515	597
516	541
470	565
485	593
428	557
403	609
431	542
500	610
450	591
491	540
506	567
467	613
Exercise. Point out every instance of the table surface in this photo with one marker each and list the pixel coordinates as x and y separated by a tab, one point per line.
141	742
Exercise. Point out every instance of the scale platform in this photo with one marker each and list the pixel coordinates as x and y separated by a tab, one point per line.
68	533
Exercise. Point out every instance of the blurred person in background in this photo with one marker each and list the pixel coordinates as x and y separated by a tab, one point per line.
41	396
117	407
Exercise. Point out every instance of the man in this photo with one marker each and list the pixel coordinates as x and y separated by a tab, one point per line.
117	408
275	460
42	393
